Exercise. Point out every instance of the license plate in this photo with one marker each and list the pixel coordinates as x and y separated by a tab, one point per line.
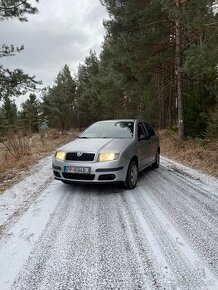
77	170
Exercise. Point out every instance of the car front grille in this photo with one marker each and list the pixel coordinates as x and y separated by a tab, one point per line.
74	156
78	176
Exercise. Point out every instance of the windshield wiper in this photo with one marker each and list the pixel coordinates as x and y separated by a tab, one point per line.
83	137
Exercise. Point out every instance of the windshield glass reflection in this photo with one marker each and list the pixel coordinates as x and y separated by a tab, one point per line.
115	130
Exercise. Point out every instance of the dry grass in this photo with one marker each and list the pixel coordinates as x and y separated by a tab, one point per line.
12	168
201	154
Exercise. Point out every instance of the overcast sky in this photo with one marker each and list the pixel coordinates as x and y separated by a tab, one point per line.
62	33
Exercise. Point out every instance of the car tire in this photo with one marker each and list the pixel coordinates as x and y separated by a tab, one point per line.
156	164
132	175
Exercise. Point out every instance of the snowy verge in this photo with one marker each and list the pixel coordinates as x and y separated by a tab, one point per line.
194	174
16	246
13	199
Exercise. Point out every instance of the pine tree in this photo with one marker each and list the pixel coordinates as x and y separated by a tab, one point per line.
148	40
15	82
59	101
8	116
88	96
30	113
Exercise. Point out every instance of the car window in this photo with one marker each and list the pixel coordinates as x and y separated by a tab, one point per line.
149	129
117	130
141	131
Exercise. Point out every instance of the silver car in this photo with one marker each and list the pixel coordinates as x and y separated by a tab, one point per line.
108	151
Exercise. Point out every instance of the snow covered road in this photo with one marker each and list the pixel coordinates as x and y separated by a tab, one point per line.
162	235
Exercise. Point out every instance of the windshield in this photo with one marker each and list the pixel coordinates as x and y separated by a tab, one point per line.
117	130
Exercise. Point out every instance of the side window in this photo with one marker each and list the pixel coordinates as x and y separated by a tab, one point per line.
141	131
149	129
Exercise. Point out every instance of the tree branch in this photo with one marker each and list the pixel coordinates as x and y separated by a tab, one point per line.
14	6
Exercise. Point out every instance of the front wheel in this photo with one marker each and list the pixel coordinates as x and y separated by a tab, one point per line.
156	164
132	175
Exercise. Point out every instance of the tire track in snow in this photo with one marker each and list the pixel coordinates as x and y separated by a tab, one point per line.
185	274
15	201
138	266
188	214
22	208
183	262
34	274
195	200
162	235
70	255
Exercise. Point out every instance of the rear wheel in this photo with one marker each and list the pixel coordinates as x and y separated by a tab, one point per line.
156	164
132	175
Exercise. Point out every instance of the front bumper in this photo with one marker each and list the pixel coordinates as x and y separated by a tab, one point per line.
101	172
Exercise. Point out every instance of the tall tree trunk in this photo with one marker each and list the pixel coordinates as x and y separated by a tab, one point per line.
169	109
179	75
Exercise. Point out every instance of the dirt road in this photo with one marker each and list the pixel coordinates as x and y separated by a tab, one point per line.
162	235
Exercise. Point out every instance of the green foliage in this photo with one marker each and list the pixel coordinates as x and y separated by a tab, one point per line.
16	9
140	49
8	116
59	101
90	96
135	75
142	57
29	117
15	82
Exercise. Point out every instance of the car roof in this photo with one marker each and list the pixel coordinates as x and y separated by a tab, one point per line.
123	120
118	120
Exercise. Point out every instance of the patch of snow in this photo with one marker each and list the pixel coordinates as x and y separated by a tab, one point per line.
206	181
151	233
17	197
16	246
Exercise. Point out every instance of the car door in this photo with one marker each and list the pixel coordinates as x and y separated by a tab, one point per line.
154	141
144	146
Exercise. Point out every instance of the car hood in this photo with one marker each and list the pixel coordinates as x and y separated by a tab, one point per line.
96	145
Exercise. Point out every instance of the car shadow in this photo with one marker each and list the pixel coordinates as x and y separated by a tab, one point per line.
110	188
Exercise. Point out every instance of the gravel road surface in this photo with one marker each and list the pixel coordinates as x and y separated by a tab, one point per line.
162	235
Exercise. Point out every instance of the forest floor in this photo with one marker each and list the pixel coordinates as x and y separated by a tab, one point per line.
201	154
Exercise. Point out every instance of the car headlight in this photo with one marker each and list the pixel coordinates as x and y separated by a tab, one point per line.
109	156
60	155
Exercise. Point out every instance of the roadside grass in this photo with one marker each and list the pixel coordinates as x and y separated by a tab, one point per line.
201	154
12	168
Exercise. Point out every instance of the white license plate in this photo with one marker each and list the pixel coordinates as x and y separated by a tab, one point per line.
77	170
